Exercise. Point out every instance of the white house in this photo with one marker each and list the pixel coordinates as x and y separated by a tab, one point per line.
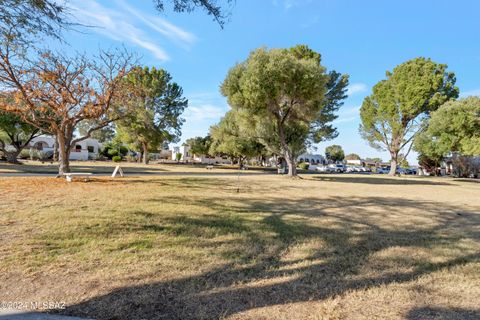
188	156
83	150
311	158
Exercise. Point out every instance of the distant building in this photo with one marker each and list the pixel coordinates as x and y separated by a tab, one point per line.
84	150
311	158
187	156
355	162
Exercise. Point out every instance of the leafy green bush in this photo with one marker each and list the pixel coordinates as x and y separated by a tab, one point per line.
303	165
116	158
111	150
24	154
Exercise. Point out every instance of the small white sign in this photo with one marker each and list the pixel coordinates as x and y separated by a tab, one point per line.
117	170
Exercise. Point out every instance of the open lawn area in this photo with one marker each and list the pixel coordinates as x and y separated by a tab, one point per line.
178	247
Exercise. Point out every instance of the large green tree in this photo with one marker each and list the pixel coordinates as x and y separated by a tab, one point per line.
157	104
334	153
352	156
230	138
454	127
15	135
285	92
397	109
199	145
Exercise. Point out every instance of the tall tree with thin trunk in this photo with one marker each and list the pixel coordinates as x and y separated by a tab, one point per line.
397	109
55	93
157	104
285	93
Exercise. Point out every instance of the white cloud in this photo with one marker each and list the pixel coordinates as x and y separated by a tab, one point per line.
204	112
348	114
355	88
162	26
119	26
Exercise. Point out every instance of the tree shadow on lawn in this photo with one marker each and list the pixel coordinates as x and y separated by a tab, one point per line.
259	275
443	314
381	180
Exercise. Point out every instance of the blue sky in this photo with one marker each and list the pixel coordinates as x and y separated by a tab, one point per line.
361	38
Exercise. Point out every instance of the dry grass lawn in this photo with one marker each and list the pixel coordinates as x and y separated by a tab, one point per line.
166	247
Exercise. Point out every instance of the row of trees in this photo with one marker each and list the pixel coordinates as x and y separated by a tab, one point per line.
282	100
76	97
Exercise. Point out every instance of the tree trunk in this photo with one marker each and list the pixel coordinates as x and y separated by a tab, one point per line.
292	165
55	149
145	153
63	156
12	156
393	166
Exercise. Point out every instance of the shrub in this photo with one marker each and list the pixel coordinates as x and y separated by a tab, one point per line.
116	158
303	165
24	154
131	158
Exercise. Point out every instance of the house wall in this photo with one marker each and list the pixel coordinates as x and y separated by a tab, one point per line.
311	158
79	152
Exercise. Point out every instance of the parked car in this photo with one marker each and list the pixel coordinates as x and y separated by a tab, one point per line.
350	169
411	171
338	168
325	169
383	170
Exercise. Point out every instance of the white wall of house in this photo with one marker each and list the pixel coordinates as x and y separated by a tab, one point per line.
354	162
83	150
311	158
187	156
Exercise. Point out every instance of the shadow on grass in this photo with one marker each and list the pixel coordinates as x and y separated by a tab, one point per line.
443	314
270	229
380	180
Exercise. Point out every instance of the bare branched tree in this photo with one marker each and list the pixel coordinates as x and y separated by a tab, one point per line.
56	93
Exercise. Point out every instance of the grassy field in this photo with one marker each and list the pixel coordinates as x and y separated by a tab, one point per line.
185	247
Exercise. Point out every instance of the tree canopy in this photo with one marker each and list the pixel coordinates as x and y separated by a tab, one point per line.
334	153
20	20
199	145
231	139
15	135
454	127
156	106
285	92
399	106
211	7
352	156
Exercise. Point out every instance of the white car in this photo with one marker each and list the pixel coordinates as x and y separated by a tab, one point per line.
325	169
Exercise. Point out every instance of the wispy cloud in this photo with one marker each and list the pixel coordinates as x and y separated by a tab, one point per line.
355	88
204	112
162	26
125	24
348	114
